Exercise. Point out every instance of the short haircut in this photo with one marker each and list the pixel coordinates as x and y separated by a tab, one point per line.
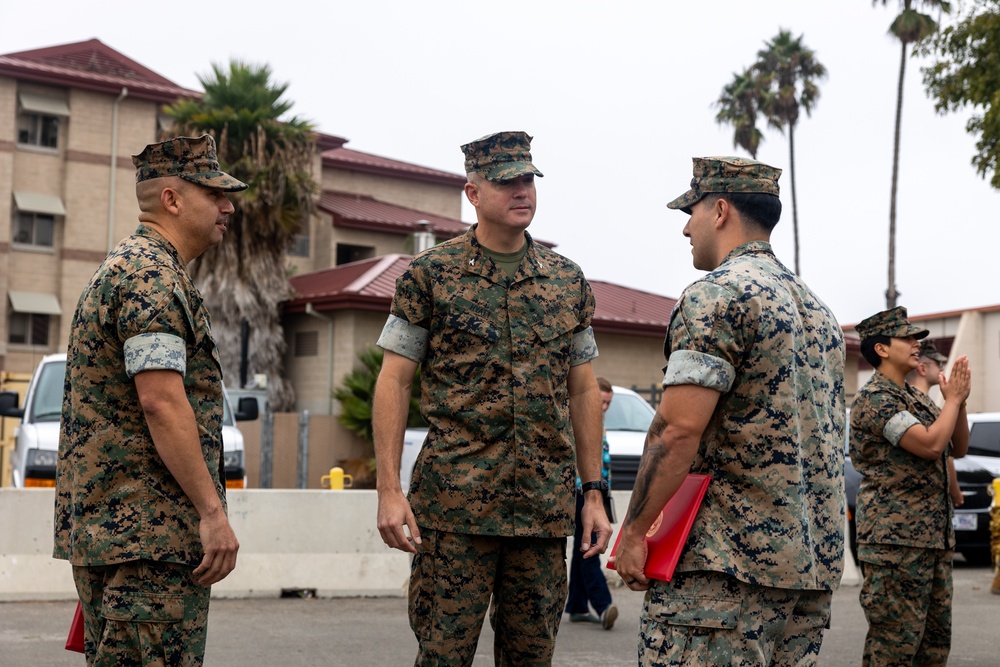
603	384
868	349
756	208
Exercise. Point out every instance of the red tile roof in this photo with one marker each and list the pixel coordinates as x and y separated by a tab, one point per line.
622	309
366	285
363	212
345	158
94	66
369	285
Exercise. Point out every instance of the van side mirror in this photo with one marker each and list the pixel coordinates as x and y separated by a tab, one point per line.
246	409
8	405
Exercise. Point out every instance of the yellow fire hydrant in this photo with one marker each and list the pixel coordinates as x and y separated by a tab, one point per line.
336	480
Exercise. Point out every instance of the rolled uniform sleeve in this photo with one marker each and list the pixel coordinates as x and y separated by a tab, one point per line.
704	342
404	338
154	323
897	425
584	347
155	351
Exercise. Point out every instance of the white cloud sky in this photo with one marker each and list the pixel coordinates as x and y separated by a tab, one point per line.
618	96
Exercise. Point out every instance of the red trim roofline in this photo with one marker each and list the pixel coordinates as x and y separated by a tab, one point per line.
48	66
370	163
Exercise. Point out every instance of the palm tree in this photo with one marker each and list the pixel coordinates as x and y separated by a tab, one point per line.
738	106
909	27
788	71
358	391
244	277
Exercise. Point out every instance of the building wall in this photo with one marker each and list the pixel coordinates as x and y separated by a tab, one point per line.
79	173
313	376
630	360
443	200
319	230
384	243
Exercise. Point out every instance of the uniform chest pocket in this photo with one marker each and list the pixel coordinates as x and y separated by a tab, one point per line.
551	328
467	340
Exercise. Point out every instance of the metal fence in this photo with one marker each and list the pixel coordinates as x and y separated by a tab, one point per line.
653	393
289	450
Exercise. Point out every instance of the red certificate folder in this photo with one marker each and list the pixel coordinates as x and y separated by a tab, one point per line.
666	537
74	642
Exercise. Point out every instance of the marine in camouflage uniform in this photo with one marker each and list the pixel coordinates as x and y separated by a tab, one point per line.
139	480
500	327
754	397
900	441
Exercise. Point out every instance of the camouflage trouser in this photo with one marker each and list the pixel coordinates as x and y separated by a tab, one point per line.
142	613
452	579
708	619
906	596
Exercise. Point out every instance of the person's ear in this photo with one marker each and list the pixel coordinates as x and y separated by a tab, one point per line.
882	350
170	200
721	209
472	193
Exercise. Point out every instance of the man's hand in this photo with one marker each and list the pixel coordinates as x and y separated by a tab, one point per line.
630	561
393	513
220	545
594	520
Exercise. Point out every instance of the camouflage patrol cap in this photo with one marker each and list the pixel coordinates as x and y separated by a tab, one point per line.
191	158
500	157
891	323
727	174
928	350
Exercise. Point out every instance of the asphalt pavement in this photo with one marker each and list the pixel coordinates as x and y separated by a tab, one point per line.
375	631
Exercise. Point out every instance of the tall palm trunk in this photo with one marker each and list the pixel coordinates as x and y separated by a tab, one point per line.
795	208
891	294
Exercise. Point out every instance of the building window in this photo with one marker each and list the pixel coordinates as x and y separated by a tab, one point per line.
353	253
37	229
28	329
38	130
39	119
306	343
298	246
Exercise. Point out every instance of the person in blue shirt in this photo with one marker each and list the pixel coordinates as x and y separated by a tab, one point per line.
587	585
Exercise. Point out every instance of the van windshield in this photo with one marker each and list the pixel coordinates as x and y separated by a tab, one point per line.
628	413
47	403
984	439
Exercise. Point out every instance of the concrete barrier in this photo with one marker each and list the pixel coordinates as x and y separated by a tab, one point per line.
322	541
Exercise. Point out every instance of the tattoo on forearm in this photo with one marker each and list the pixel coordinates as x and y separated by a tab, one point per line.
649	467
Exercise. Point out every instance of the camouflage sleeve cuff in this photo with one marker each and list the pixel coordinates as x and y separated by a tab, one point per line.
698	368
155	352
584	347
404	338
898	425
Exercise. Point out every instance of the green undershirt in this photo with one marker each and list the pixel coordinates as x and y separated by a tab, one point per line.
508	261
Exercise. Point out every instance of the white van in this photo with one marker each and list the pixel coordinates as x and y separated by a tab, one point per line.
36	438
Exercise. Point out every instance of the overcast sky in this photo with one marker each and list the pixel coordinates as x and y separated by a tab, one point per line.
619	97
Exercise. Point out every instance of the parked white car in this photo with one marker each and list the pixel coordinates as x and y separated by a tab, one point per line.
36	438
627	421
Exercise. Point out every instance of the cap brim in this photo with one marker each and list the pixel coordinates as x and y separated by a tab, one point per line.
510	170
686	201
913	330
218	180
